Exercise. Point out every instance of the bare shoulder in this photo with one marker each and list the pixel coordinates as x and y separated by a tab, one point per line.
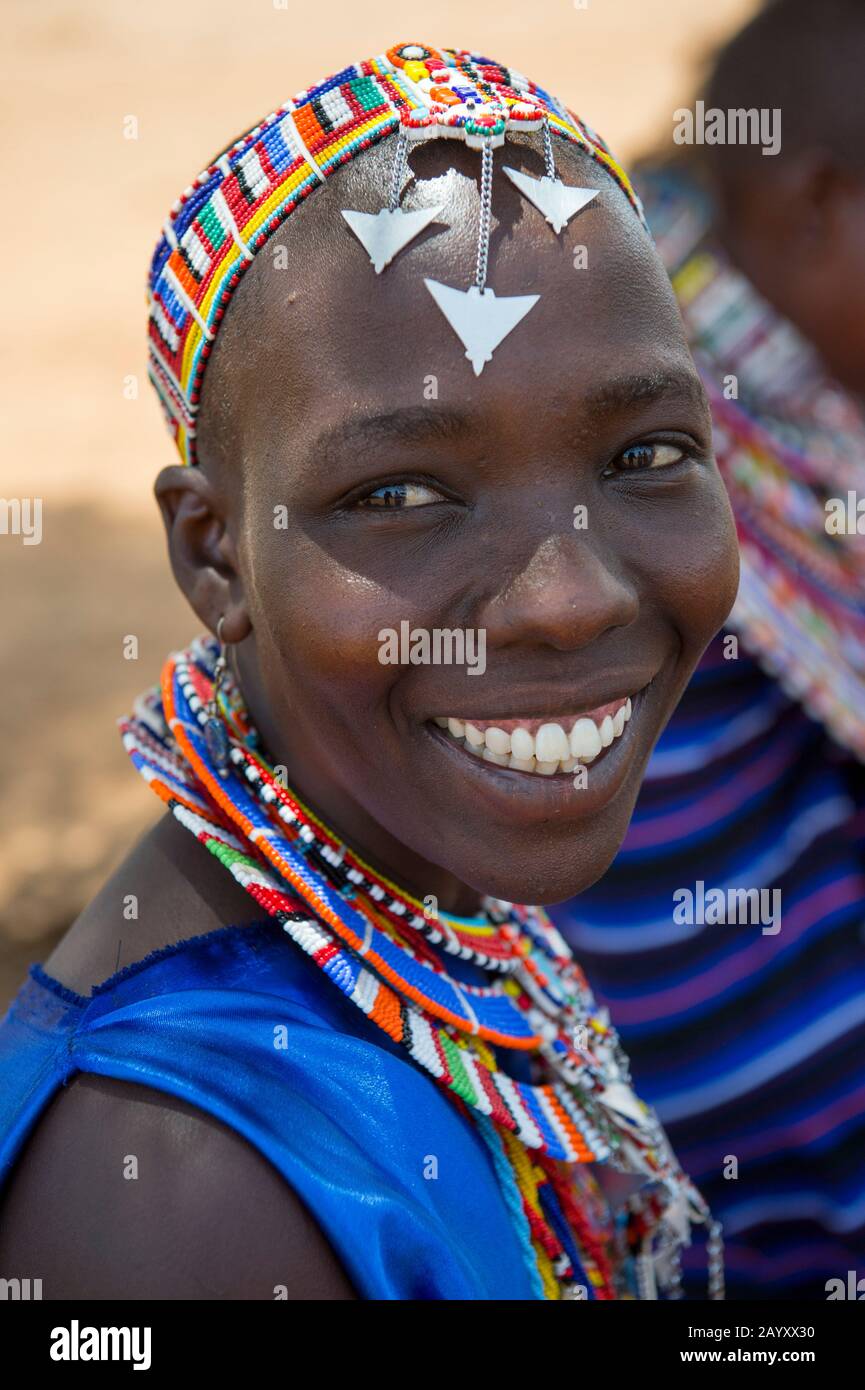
168	888
124	1192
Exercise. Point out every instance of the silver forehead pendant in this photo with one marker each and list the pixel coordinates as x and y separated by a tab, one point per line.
480	318
386	232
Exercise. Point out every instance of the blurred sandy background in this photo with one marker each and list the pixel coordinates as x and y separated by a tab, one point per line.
83	210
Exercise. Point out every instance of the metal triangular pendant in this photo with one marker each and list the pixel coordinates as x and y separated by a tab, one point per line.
480	319
556	200
384	233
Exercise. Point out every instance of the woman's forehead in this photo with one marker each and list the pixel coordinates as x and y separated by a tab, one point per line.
420	95
317	330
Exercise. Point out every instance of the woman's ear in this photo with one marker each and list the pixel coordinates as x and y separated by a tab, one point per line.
201	549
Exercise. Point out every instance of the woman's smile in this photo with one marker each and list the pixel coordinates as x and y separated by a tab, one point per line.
570	786
542	746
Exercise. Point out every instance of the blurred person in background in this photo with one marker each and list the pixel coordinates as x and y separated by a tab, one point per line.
746	1026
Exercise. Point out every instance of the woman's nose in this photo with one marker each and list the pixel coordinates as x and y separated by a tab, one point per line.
566	595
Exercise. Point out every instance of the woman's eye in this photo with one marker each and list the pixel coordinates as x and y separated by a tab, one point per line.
645	456
400	495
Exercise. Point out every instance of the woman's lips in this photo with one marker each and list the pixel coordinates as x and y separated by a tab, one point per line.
542	746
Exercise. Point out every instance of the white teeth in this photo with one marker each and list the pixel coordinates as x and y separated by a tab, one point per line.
498	741
551	750
551	743
585	740
522	744
503	759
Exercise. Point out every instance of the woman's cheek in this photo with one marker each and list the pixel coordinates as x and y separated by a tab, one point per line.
324	619
690	563
708	565
718	566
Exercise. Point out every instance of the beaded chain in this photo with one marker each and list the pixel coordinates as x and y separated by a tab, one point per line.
373	940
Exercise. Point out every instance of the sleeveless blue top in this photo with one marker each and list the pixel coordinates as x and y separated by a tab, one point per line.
338	1108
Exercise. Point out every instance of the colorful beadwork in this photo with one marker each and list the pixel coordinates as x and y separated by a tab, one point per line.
786	439
224	218
369	938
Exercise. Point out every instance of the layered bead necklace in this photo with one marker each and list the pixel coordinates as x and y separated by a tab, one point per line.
381	946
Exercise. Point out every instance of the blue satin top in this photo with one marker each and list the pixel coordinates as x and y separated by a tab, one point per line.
240	1023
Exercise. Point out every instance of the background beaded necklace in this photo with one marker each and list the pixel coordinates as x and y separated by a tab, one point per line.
787	439
377	944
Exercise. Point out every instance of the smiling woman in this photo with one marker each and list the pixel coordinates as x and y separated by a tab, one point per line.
338	1018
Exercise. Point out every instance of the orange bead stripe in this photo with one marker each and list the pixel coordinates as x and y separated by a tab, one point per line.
586	1155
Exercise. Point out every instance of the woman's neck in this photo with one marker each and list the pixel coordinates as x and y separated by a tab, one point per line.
352	823
409	870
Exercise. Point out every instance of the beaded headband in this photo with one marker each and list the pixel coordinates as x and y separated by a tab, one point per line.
225	217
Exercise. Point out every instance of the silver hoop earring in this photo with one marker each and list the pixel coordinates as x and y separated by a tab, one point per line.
215	732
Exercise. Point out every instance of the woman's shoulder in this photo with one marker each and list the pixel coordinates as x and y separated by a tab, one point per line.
166	890
156	1198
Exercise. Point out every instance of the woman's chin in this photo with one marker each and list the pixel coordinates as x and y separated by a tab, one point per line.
526	837
549	877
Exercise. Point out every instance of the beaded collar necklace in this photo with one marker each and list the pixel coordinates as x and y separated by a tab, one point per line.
377	944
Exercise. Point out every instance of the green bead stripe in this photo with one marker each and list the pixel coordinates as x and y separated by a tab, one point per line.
367	91
461	1083
212	226
228	856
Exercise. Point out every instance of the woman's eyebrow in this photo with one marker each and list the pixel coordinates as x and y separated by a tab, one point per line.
416	424
423	424
641	388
